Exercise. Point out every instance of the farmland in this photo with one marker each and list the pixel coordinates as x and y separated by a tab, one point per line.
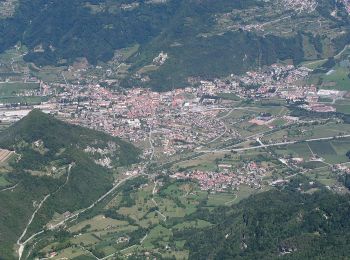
5	155
146	218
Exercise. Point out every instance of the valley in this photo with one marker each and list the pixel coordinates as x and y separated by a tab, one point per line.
171	129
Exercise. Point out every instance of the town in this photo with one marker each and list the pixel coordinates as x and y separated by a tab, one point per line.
188	120
180	119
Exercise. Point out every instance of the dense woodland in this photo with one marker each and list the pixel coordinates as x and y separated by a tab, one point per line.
291	222
59	32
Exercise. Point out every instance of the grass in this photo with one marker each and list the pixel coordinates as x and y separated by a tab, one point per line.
229	96
71	253
322	175
157	234
98	223
12	89
300	150
325	99
279	122
339	77
3	182
147	69
335	158
314	64
343	108
322	148
313	164
128	52
85	239
332	151
30	100
341	146
192	224
245	192
220	199
204	162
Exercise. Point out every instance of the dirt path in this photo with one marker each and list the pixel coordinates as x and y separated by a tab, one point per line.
23	244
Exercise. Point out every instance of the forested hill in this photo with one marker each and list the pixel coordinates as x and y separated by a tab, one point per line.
53	158
54	136
200	37
289	224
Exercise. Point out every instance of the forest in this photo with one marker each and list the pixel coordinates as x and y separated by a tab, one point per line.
32	171
290	222
58	32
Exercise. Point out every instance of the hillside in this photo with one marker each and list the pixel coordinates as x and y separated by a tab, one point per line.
55	159
294	223
198	38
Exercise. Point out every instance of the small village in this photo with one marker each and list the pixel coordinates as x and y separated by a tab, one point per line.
250	174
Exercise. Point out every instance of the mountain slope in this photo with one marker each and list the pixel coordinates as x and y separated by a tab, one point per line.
53	160
200	37
275	224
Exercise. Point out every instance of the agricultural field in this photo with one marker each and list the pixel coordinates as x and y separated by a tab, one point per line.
144	219
5	155
332	152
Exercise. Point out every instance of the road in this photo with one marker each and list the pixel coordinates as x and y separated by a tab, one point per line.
155	203
152	148
9	188
271	145
93	204
226	115
23	244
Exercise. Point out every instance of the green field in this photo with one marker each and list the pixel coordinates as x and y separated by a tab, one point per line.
229	96
313	165
3	182
12	89
322	148
13	93
27	100
301	150
220	199
343	108
339	77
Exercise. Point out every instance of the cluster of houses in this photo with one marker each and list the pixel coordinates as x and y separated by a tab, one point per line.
226	178
300	5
